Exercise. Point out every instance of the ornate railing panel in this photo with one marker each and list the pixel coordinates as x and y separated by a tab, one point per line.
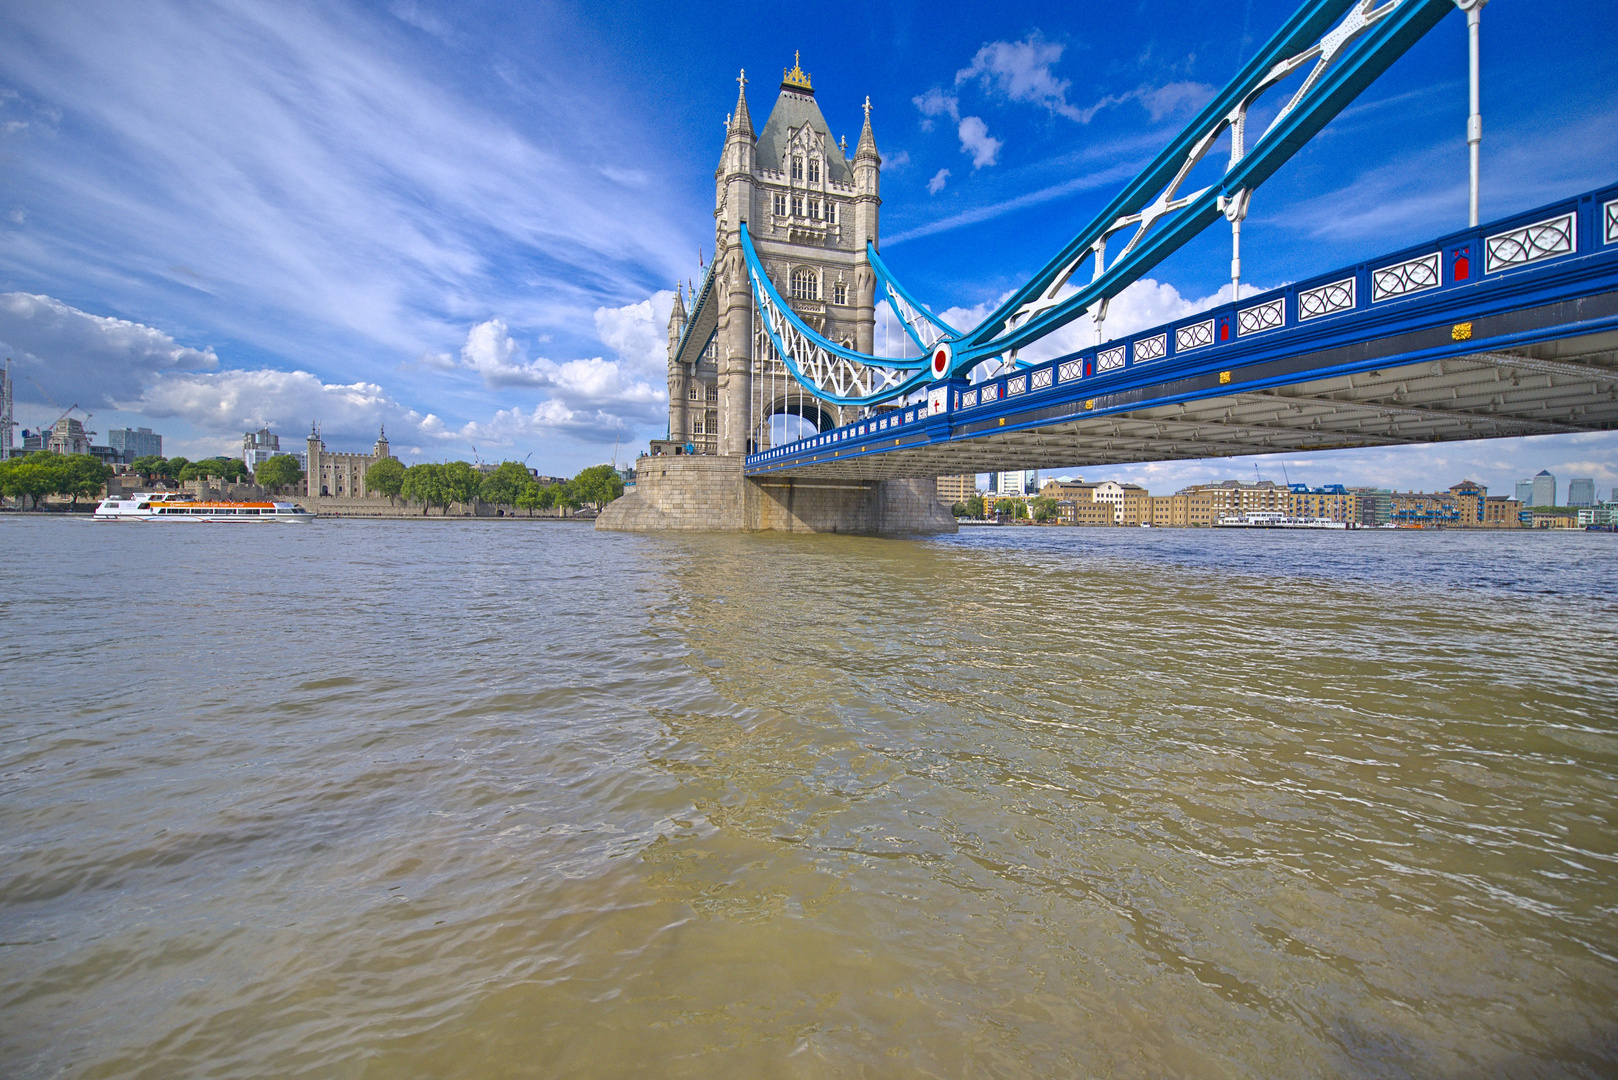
1261	317
1402	279
1541	240
1194	336
1326	300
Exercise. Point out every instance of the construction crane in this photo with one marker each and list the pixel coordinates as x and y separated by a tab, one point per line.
65	412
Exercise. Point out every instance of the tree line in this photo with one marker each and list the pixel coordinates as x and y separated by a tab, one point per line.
35	475
509	485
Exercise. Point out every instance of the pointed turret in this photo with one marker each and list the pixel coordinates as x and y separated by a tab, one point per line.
741	121
867	144
867	183
677	317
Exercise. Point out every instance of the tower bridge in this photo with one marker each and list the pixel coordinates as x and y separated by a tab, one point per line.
1505	328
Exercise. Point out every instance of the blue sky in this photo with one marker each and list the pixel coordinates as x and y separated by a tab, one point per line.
465	220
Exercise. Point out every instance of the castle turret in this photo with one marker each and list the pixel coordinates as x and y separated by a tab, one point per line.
679	376
867	203
380	450
736	312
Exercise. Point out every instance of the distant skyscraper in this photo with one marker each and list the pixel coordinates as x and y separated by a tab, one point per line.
1525	491
1544	489
1017	483
6	423
1581	491
135	442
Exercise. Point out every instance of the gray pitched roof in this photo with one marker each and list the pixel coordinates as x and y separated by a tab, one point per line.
792	111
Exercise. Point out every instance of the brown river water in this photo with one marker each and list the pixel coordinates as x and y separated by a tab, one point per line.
488	799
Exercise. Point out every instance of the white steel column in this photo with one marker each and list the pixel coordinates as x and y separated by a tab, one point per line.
1474	119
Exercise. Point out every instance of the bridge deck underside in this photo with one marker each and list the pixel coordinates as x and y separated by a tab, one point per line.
1560	387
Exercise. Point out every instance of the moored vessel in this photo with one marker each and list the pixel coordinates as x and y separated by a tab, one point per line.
1274	519
164	507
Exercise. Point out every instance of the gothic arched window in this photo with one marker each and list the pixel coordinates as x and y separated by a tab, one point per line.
814	170
780	206
831	212
805	285
839	293
797	168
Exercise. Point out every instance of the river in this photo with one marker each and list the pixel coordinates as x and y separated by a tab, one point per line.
486	799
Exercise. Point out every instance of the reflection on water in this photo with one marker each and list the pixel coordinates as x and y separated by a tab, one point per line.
474	799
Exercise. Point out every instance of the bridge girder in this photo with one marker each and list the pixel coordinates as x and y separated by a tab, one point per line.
1557	387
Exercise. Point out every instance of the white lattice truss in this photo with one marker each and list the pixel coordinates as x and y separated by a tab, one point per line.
1360	18
918	322
811	361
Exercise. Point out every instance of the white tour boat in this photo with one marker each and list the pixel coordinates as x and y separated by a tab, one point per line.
164	507
1274	519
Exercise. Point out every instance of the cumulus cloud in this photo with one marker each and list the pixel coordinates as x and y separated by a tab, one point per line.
935	103
936	184
287	401
91	359
1021	71
976	140
1143	304
628	390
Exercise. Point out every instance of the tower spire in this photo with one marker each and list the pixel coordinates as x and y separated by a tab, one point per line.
741	121
867	143
796	79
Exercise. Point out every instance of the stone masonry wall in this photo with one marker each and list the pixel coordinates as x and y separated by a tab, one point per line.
711	494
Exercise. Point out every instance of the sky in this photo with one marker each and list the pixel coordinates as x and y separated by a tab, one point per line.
466	221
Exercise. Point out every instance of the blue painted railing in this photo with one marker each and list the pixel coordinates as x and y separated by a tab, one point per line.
1561	250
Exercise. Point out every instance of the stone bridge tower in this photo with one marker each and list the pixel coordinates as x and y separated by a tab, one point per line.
810	211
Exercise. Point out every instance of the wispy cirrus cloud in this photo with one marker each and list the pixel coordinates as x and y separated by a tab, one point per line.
1021	71
270	167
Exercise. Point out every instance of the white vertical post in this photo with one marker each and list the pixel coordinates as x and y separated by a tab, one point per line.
1474	119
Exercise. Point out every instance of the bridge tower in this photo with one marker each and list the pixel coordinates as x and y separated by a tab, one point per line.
810	210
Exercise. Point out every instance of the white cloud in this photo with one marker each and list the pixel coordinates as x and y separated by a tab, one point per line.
935	103
975	140
288	401
316	176
628	390
1143	304
936	184
77	356
896	161
1021	71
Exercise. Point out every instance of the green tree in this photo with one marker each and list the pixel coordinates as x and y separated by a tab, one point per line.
463	483
36	475
150	466
529	498
958	510
424	483
505	484
558	496
386	476
279	472
598	485
974	507
1044	508
174	467
231	470
83	477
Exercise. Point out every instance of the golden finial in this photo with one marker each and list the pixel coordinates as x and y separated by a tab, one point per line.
796	78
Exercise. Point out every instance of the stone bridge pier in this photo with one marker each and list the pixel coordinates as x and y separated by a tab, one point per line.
703	493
